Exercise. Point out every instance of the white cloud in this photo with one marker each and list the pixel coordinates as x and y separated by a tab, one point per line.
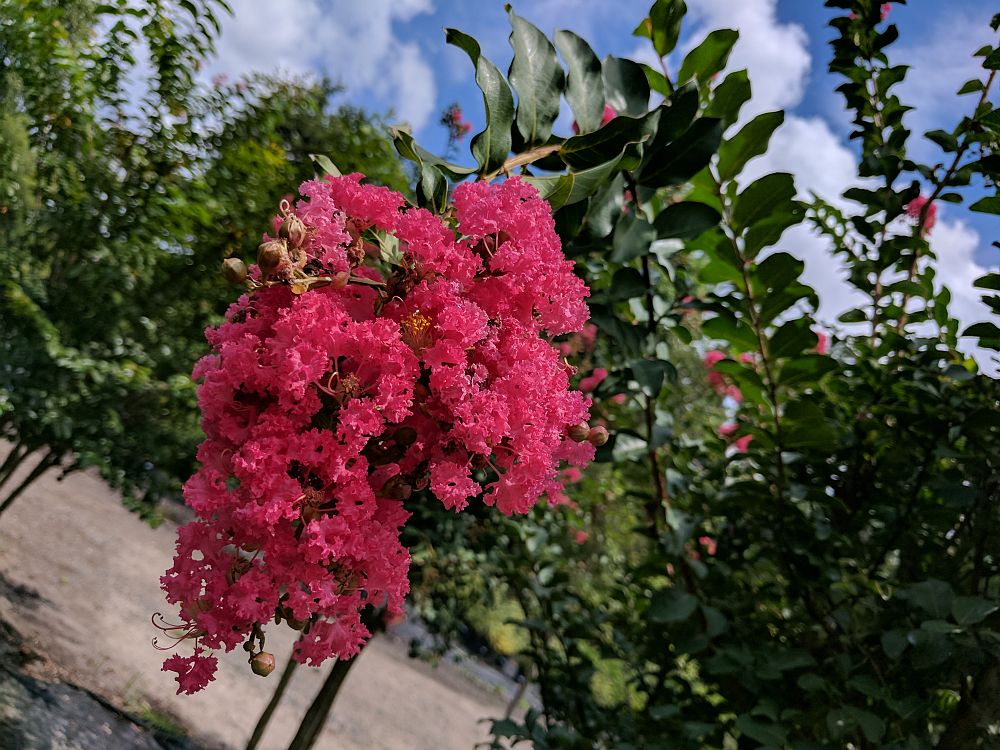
350	41
775	54
939	65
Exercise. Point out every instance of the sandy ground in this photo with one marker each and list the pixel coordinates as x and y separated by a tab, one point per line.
79	579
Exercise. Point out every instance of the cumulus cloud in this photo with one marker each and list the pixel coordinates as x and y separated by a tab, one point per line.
775	54
351	42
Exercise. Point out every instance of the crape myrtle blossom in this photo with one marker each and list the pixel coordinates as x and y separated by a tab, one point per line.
381	350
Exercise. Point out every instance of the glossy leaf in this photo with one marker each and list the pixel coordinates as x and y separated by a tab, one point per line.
538	79
709	57
492	145
752	140
584	80
625	86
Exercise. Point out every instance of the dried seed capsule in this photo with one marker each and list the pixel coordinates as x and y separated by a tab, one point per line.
597	436
578	432
269	256
293	230
234	270
262	664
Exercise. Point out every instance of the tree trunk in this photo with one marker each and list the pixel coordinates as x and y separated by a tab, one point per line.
49	460
14	459
315	717
265	718
975	713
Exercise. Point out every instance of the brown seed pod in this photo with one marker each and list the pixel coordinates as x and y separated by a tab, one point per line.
578	432
294	230
597	436
262	664
234	270
270	255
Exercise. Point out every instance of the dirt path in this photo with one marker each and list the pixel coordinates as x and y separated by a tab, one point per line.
79	580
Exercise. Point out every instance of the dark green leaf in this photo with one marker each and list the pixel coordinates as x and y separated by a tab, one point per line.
681	160
770	735
729	329
685	221
633	236
729	97
894	643
561	190
626	283
625	86
591	149
761	198
709	57
650	374
750	141
663	25
537	78
491	146
324	165
778	270
584	82
987	205
409	149
969	610
671	605
933	596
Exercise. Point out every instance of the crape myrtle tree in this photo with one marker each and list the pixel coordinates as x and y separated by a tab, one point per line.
788	538
125	182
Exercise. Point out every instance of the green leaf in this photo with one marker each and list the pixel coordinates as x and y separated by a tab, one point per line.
537	78
625	86
750	141
324	165
709	57
792	338
591	149
933	596
681	160
770	735
983	330
729	97
562	190
606	207
761	198
650	374
987	205
671	605
969	610
778	270
729	329
894	643
972	86
491	146
663	25
988	281
625	284
685	221
632	239
767	232
432	189
408	148
584	82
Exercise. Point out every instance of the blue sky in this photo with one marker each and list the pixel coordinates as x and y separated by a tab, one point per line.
391	55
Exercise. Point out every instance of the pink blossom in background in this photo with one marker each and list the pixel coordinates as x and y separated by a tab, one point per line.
609	114
618	399
581	537
822	343
709	544
741	444
589	383
916	206
715	379
728	429
747	358
324	409
734	393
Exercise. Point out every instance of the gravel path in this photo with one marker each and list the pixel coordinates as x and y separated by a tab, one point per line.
79	580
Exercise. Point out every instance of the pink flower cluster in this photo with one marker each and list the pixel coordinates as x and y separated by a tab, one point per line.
920	206
325	406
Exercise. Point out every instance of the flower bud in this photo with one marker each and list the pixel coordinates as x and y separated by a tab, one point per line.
340	280
269	256
262	664
234	270
597	436
293	230
578	432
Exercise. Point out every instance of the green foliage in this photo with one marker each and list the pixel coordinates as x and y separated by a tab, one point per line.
117	207
832	582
